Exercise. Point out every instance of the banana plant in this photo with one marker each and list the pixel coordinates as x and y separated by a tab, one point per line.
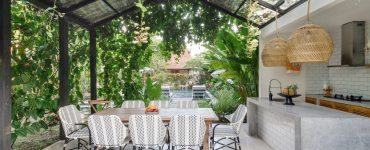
237	53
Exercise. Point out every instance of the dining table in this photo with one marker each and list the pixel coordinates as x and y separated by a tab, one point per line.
166	114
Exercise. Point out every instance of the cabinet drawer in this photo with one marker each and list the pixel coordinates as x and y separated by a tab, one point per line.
326	103
363	111
342	107
311	100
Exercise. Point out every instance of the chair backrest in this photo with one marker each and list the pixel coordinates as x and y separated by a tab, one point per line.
107	130
187	104
160	104
69	116
187	130
147	130
133	104
238	117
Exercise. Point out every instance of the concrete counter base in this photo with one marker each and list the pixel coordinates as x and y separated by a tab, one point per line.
306	127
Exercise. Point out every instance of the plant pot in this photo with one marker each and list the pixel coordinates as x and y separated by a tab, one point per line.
292	92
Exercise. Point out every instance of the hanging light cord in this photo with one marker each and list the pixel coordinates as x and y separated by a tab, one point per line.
276	23
308	10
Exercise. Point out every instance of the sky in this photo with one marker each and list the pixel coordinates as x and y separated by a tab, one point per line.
195	49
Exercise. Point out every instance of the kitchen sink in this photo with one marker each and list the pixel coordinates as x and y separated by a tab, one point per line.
278	99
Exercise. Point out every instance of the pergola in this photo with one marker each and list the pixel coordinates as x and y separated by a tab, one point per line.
94	13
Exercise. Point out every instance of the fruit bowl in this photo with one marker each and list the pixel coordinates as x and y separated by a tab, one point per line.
152	110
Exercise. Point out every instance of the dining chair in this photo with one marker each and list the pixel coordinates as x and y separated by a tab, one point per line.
187	104
160	103
147	131
108	131
133	104
220	132
104	103
187	131
73	126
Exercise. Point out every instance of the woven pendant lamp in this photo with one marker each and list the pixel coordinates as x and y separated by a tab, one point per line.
274	53
310	43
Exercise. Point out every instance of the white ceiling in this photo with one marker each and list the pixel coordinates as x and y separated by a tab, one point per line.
331	14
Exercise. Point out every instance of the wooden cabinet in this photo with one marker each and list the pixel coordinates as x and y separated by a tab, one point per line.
363	111
351	108
342	107
326	103
311	100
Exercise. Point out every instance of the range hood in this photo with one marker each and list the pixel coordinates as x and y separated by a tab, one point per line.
353	44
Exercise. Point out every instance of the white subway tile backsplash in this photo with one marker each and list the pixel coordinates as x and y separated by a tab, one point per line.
345	80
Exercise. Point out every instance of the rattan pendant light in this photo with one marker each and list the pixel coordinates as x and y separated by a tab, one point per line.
310	43
274	53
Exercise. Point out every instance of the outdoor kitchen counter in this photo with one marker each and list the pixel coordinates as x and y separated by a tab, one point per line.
306	126
320	96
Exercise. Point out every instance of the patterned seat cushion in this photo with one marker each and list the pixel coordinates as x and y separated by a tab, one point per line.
81	133
223	131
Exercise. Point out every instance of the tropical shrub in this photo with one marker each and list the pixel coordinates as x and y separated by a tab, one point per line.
237	53
227	101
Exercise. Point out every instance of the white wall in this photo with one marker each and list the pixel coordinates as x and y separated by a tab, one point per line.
331	14
280	73
344	80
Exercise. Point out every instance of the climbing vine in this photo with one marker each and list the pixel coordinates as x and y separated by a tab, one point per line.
35	54
35	68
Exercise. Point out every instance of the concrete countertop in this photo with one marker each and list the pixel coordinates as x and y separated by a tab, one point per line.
301	109
320	96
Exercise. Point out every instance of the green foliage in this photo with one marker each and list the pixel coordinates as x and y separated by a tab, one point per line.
35	68
227	101
35	55
204	103
152	91
237	53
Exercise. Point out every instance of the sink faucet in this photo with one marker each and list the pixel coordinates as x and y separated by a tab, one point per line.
270	87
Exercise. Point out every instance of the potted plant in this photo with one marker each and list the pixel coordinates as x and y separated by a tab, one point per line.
290	90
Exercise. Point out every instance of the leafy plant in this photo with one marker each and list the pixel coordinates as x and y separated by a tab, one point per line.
227	101
35	68
152	90
237	53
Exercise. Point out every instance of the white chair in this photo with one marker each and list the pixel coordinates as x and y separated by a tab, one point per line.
230	130
160	104
73	126
108	131
187	131
187	104
133	104
147	131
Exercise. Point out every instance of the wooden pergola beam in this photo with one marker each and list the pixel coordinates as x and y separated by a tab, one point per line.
5	76
93	79
63	67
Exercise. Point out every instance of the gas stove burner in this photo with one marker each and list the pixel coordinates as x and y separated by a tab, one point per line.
355	98
338	96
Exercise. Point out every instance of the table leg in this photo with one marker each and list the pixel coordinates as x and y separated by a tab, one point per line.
206	137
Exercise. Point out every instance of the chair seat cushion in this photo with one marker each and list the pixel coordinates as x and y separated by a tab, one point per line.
81	133
222	130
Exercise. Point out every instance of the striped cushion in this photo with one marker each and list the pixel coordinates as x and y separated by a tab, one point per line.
147	130
160	104
187	104
107	131
223	131
187	130
133	104
69	116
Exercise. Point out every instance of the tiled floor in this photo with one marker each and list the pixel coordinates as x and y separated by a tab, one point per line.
247	143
